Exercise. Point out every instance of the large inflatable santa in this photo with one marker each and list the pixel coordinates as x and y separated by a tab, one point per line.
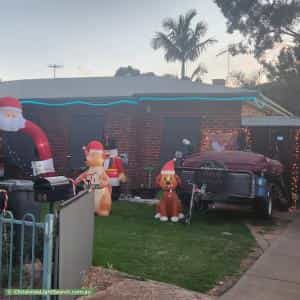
114	167
12	120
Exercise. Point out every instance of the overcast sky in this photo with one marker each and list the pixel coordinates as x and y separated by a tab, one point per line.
95	37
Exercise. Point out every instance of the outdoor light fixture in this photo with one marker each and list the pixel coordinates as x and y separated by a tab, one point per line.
186	142
279	138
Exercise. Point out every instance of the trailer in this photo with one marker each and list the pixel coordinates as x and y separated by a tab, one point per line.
232	177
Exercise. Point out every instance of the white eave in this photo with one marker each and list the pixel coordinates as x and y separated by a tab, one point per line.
266	104
271	121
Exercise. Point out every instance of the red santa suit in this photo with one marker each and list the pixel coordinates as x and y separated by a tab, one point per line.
114	168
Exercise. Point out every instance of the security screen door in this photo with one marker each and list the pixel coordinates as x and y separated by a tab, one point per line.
174	130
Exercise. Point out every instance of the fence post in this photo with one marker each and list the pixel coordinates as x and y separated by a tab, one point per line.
48	252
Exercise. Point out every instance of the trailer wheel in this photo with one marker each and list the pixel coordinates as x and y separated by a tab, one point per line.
200	204
264	206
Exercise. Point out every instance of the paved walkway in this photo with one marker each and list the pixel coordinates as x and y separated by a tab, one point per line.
276	274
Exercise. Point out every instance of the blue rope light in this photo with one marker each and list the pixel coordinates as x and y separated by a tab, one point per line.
196	98
135	102
77	102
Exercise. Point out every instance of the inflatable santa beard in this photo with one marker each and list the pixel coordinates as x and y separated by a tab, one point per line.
12	120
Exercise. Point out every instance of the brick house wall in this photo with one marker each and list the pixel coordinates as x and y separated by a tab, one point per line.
138	129
119	122
249	110
220	116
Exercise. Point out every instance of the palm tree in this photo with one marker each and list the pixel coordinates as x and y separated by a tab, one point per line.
198	73
181	42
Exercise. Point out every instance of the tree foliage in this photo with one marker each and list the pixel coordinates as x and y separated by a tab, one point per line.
127	71
284	93
240	79
261	22
287	66
199	71
181	41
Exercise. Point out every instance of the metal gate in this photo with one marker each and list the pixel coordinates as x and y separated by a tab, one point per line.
26	252
74	241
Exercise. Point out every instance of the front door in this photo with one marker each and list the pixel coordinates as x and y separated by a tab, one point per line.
174	131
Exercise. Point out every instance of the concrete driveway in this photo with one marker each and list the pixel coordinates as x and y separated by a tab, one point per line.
276	274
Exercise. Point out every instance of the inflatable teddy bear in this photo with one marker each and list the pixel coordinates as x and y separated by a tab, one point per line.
96	178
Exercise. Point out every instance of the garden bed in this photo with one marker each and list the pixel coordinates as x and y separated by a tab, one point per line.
112	285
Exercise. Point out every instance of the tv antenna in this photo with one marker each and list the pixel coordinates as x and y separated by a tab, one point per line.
54	67
226	51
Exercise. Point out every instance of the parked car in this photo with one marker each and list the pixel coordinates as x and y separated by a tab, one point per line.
234	177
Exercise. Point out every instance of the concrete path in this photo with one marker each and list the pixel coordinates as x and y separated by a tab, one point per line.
276	274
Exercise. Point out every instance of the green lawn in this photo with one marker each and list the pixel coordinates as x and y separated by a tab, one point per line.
192	256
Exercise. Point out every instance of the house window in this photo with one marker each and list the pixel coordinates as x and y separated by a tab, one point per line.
174	131
84	128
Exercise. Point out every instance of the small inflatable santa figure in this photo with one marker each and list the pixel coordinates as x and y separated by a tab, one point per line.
96	179
12	120
114	167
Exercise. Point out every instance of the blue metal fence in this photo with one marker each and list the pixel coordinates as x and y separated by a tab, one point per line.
20	251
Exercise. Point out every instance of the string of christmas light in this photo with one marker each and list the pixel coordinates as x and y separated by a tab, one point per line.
295	168
248	138
228	137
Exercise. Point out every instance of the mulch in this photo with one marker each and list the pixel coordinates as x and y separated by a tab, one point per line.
112	285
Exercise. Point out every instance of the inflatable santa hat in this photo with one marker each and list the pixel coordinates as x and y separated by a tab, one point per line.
168	168
10	103
93	146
